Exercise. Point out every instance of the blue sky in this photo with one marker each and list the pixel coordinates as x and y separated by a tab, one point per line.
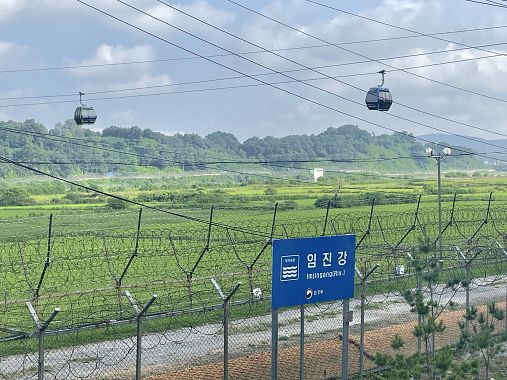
50	33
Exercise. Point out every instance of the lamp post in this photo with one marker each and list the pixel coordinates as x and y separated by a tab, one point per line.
439	157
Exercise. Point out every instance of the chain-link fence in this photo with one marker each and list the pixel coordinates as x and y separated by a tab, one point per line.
86	265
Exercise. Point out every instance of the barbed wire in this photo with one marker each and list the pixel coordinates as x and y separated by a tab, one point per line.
84	265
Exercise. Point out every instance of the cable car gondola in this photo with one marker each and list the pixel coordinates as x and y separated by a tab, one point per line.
84	114
379	98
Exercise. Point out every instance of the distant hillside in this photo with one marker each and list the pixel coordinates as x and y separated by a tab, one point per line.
150	150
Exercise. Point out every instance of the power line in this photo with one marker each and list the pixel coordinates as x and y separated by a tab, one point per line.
271	85
272	163
302	65
352	86
173	162
247	162
113	64
325	107
109	195
372	59
289	71
492	4
276	163
98	92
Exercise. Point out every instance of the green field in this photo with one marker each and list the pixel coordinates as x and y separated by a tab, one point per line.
92	244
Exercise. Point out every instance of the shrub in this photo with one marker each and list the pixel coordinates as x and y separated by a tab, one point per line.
116	204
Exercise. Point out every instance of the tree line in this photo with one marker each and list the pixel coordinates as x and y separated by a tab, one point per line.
32	142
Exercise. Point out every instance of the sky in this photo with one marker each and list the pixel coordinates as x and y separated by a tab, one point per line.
49	34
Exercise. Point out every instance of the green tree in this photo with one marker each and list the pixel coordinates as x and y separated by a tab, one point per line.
482	339
15	197
116	204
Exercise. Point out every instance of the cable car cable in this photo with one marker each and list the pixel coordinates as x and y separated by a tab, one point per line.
300	64
261	81
97	92
69	67
488	3
396	68
360	118
372	59
388	24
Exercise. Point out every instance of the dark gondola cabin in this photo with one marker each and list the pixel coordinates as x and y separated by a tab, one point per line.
379	98
84	114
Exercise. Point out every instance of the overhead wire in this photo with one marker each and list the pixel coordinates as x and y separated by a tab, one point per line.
302	65
98	92
444	131
387	24
126	200
243	162
294	93
349	85
138	155
492	4
274	163
373	59
338	111
261	81
112	64
382	126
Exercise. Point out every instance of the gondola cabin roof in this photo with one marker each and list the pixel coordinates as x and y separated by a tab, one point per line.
379	99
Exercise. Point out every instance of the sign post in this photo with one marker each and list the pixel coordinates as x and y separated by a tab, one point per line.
311	270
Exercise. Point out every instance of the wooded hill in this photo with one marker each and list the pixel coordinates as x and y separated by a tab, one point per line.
32	143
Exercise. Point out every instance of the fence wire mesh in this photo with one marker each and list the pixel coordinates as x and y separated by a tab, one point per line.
83	264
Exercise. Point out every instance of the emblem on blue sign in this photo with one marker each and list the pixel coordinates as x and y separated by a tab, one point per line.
290	268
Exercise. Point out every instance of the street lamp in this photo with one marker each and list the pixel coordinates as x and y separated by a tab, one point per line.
439	157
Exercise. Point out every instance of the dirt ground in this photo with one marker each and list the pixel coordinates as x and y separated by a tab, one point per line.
322	359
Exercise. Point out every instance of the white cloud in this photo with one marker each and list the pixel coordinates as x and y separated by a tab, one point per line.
124	117
199	8
120	76
145	80
108	54
9	8
6	47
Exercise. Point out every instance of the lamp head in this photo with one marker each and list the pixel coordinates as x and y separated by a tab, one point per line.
429	151
446	151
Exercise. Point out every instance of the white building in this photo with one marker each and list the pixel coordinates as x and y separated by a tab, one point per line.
318	173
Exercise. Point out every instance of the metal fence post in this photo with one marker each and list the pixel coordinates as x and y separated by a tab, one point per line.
274	344
505	253
347	318
302	343
139	315
47	262
41	329
419	289
226	301
363	277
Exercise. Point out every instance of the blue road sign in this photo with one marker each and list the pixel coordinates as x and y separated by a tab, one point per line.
310	270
